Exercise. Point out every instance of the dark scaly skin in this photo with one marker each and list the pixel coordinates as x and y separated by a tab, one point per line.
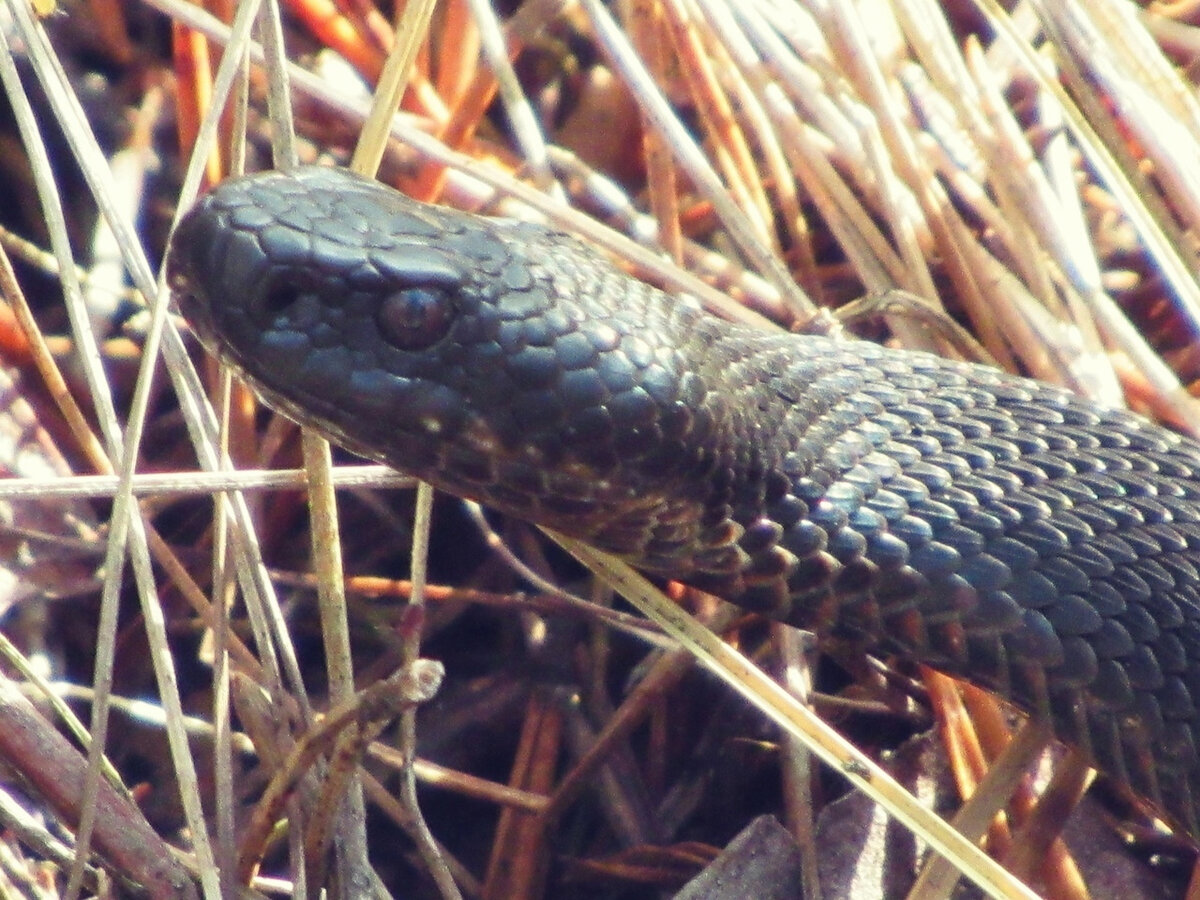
987	525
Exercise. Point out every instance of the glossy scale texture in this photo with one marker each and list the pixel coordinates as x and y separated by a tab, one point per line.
988	525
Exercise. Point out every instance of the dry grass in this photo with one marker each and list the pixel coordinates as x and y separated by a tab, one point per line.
1030	177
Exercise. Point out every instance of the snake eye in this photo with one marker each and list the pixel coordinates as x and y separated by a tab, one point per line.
415	318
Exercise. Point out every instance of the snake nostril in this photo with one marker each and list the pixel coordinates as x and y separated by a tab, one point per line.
276	301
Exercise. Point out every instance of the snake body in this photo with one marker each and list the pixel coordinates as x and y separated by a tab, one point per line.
985	524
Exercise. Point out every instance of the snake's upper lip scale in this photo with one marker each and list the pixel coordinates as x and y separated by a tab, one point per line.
982	523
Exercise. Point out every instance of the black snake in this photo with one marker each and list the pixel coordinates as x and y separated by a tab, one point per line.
985	524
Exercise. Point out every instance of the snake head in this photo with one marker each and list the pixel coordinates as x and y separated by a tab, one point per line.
498	360
335	309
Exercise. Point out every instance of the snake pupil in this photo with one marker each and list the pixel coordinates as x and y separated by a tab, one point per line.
416	318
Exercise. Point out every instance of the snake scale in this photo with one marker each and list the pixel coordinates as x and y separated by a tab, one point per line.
988	525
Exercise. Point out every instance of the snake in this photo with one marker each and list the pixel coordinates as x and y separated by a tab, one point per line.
991	526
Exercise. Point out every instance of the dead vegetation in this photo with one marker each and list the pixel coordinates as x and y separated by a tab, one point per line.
1028	176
